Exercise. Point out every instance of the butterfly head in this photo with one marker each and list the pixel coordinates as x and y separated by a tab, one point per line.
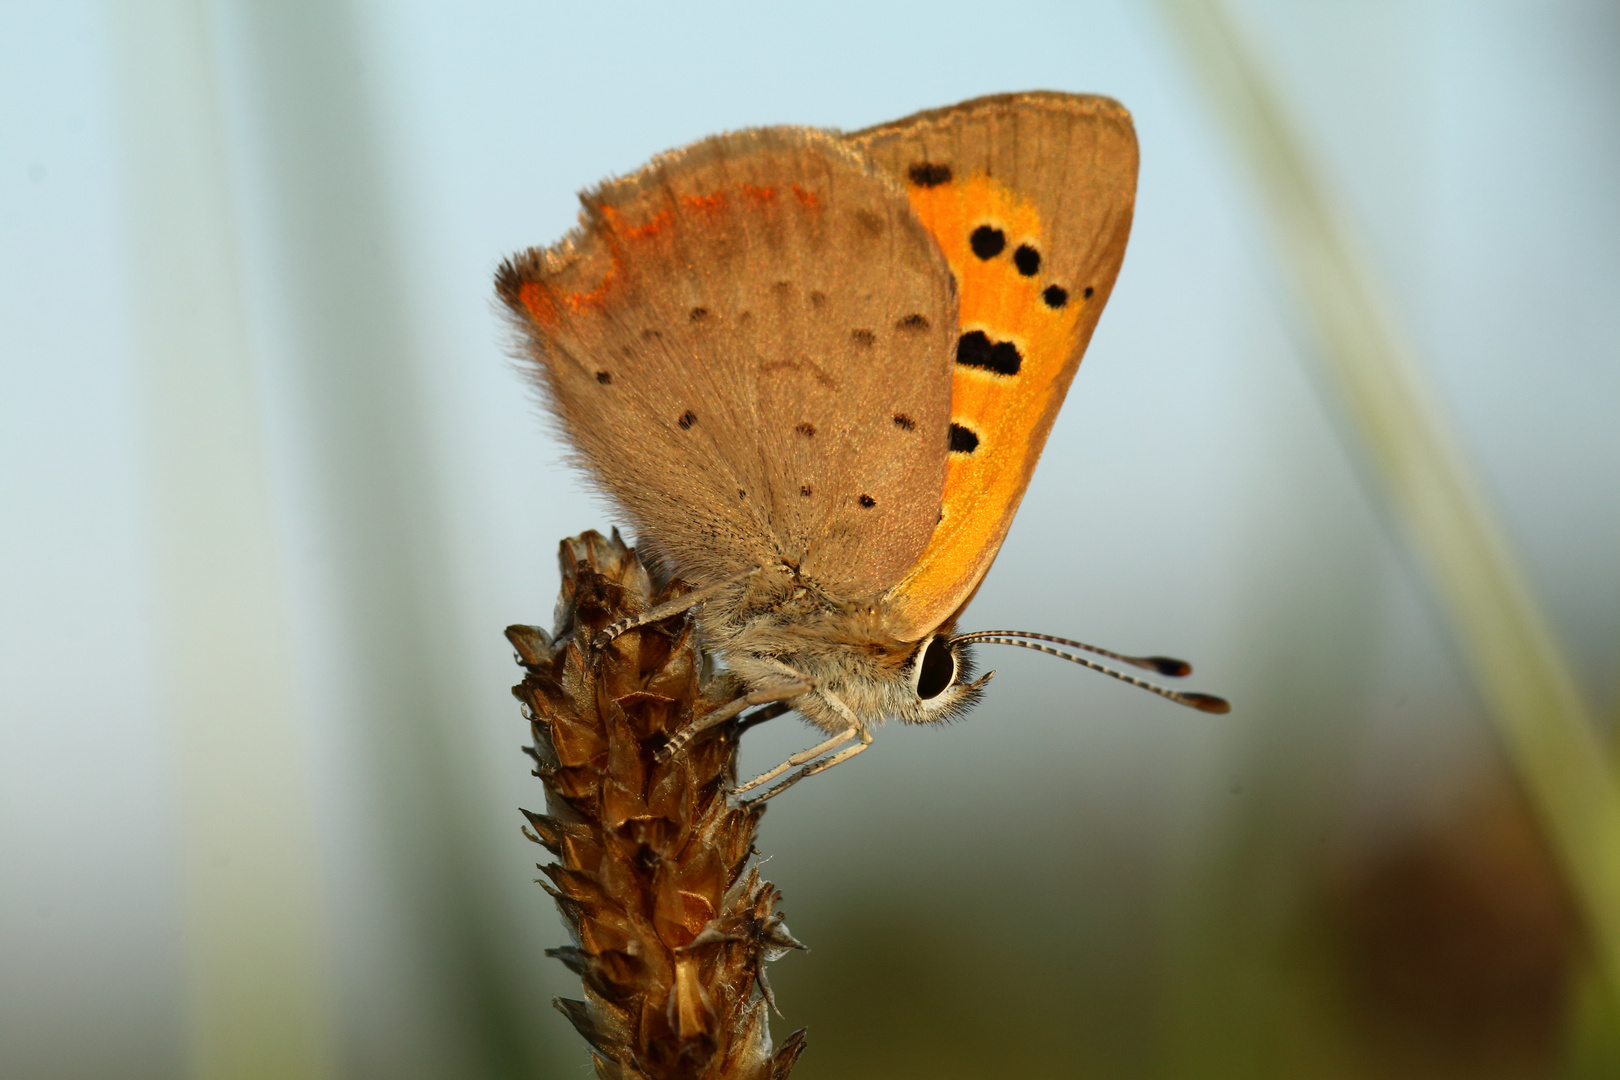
938	681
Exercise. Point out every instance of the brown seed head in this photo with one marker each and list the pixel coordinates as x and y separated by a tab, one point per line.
671	925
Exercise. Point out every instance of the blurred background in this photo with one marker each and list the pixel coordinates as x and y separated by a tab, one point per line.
271	487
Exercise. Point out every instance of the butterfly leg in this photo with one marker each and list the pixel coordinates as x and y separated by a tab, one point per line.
801	757
769	712
779	689
813	768
668	609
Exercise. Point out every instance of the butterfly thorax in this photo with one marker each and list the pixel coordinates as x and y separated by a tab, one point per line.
777	624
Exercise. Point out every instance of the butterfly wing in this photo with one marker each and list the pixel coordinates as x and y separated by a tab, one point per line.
1029	197
749	342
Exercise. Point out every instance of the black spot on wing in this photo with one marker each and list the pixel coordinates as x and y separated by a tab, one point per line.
1027	259
963	440
687	419
871	224
912	324
863	338
987	241
807	429
904	422
1089	291
975	349
805	491
697	314
604	377
867	502
929	174
1055	296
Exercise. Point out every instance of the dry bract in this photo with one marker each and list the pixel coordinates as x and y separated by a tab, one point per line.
671	924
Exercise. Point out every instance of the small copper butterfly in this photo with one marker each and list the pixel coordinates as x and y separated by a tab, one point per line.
816	370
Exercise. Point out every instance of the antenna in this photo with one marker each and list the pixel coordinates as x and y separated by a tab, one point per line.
1164	665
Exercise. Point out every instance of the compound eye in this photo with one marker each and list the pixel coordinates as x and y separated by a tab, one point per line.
936	668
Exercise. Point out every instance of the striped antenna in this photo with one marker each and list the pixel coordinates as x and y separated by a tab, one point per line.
1164	665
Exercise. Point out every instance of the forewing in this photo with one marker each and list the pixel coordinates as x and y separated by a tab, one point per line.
1029	197
750	344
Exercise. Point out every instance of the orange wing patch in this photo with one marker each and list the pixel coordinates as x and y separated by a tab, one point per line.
1018	331
545	301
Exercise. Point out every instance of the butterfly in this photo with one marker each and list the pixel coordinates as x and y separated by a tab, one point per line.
815	371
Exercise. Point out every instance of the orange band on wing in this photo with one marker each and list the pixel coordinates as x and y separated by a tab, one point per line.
1017	333
704	202
546	303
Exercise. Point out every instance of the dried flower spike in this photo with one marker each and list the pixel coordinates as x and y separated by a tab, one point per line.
671	924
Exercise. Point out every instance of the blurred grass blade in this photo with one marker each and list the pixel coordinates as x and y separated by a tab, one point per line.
356	366
258	999
1546	727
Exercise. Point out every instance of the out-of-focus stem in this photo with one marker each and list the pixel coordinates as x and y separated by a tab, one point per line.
1546	727
257	991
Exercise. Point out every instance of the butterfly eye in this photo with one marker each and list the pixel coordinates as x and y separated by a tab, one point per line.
936	668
